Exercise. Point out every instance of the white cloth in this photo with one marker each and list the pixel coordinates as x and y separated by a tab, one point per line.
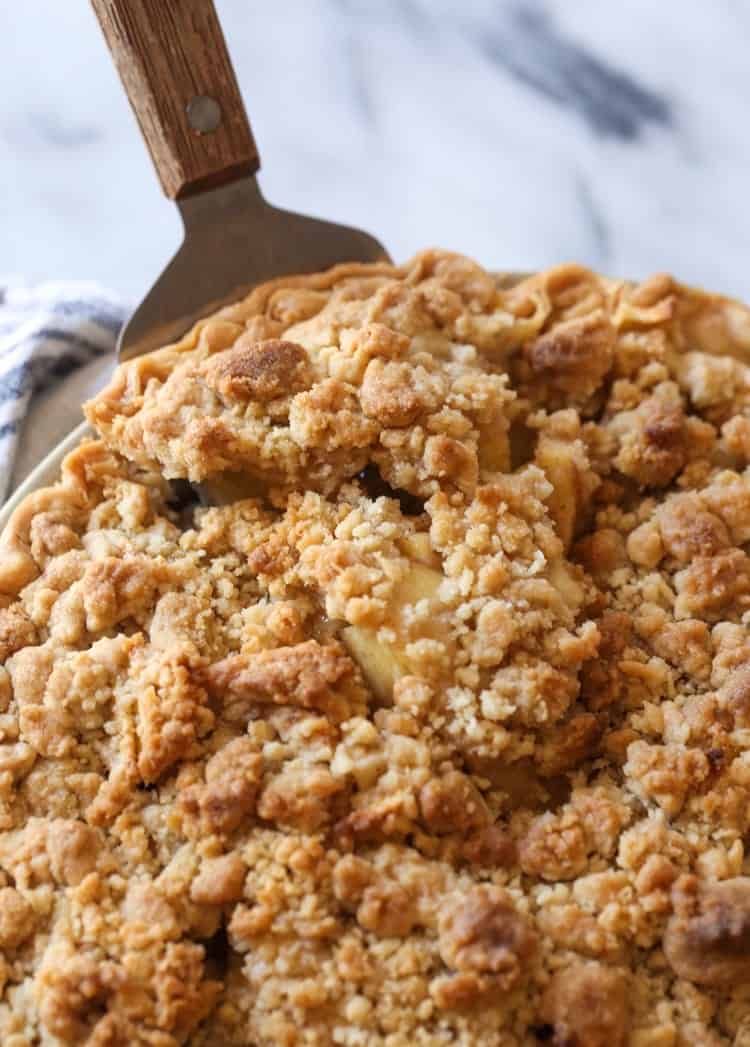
57	345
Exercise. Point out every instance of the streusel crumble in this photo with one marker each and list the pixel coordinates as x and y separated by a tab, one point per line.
437	730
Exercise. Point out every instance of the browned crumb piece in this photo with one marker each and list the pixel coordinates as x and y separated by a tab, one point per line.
653	439
85	998
451	803
688	530
572	358
734	695
586	1003
481	932
17	918
308	675
258	371
707	940
490	846
220	880
230	790
300	798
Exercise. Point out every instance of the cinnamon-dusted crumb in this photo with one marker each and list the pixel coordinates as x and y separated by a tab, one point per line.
441	737
258	370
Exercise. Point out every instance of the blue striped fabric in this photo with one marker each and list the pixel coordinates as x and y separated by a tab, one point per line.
47	333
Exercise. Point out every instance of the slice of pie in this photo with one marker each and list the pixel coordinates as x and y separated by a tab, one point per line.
435	729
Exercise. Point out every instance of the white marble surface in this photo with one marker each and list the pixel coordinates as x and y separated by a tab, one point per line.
523	133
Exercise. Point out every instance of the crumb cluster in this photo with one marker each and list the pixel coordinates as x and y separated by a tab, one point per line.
435	729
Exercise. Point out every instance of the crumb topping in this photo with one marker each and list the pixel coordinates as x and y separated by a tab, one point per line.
434	729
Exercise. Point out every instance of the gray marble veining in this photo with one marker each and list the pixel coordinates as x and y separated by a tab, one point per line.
523	132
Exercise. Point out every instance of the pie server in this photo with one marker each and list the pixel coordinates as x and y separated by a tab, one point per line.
174	65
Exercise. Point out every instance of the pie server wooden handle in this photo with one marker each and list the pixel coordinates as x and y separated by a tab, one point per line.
174	65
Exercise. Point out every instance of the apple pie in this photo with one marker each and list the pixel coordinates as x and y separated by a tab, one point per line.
428	722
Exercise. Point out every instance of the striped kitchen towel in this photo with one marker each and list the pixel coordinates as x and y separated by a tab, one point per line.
56	349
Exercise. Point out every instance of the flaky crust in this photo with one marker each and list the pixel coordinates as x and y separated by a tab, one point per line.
441	736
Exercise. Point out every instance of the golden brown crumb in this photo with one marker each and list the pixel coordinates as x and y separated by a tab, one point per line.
688	530
482	932
258	371
72	848
300	799
307	675
653	439
230	791
17	918
490	846
451	803
707	940
572	358
220	880
586	1003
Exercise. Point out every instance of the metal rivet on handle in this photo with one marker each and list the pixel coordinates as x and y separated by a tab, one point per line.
204	114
